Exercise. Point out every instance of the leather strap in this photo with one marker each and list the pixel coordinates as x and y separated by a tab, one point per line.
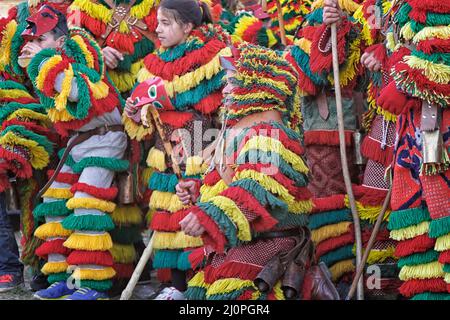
278	234
81	137
120	13
322	104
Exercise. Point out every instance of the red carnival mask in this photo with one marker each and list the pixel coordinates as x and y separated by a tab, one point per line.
152	91
43	21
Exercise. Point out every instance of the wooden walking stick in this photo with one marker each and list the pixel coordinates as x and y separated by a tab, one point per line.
281	23
149	111
345	170
373	236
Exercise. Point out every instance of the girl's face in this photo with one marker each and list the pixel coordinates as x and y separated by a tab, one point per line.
170	32
228	89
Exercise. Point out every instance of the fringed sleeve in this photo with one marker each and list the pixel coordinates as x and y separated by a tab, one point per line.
268	189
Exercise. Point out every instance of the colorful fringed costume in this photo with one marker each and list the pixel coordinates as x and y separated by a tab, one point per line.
193	79
132	36
331	221
267	191
420	92
73	87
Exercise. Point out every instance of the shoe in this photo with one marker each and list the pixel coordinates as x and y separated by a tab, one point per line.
10	282
56	291
170	293
39	282
87	294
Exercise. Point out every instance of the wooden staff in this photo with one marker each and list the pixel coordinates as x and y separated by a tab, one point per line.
281	23
345	171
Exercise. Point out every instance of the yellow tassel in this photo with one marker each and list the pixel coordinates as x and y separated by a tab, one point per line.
410	232
423	271
369	213
54	267
14	94
39	156
156	159
93	274
427	33
198	280
89	242
228	285
437	72
337	270
165	201
143	9
330	231
124	81
61	98
51	229
175	240
62	115
442	243
278	292
8	34
149	216
48	65
96	11
304	44
348	6
122	253
86	53
127	215
123	28
58	193
271	36
447	278
407	32
376	256
348	71
91	203
100	89
207	192
234	213
195	165
136	131
365	33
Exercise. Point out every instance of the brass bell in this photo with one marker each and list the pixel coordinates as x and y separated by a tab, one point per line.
126	187
432	146
12	199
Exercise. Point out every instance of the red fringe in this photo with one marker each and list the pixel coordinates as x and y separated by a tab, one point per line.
434	46
123	271
101	258
444	257
250	34
334	243
371	149
379	52
36	128
4	182
175	119
416	286
123	42
430	5
25	170
383	235
263	220
96	27
196	257
210	103
100	193
212	178
52	246
418	244
212	236
164	275
23	100
232	269
64	177
333	202
168	222
246	295
369	196
151	21
49	82
327	138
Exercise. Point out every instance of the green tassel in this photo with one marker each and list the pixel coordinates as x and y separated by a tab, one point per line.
329	217
112	164
183	261
340	254
57	277
195	293
88	222
293	220
431	296
418	258
166	259
233	295
56	208
126	235
11	107
103	285
41	140
408	217
163	182
439	227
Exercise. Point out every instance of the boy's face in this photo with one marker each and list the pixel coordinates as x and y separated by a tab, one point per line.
48	41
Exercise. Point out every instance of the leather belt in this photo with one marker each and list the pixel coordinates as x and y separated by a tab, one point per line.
278	234
79	138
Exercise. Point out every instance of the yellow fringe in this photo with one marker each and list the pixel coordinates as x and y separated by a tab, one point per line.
142	10
49	64
62	115
51	229
227	285
156	159
348	6
145	176
39	156
124	81
376	256
423	271
122	253
410	232
279	295
244	23
447	278
369	213
94	274
272	39
165	201
348	71
136	131
100	89
192	79
195	165
61	98
439	32
54	267
330	231
234	213
96	11
128	215
437	72
406	31
267	144
90	242
198	280
86	53
340	268
304	44
175	240
8	33
58	193
207	192
14	94
365	33
442	243
91	203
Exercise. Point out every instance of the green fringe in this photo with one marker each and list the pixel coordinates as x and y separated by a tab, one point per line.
126	235
293	220
439	227
164	182
329	217
57	277
11	107
103	285
112	164
88	222
337	255
419	258
408	217
447	268
233	295
402	15
431	296
195	293
166	259
42	140
51	209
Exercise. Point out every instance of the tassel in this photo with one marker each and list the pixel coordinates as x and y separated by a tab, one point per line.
89	222
103	285
410	232
126	215
123	253
439	227
57	277
339	269
91	203
90	242
178	240
415	245
330	231
51	229
52	246
54	267
443	243
79	257
156	159
423	271
94	274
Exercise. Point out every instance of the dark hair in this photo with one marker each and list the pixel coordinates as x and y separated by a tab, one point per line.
185	11
61	28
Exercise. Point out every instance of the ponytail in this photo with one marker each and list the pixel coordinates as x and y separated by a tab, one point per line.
188	11
206	13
